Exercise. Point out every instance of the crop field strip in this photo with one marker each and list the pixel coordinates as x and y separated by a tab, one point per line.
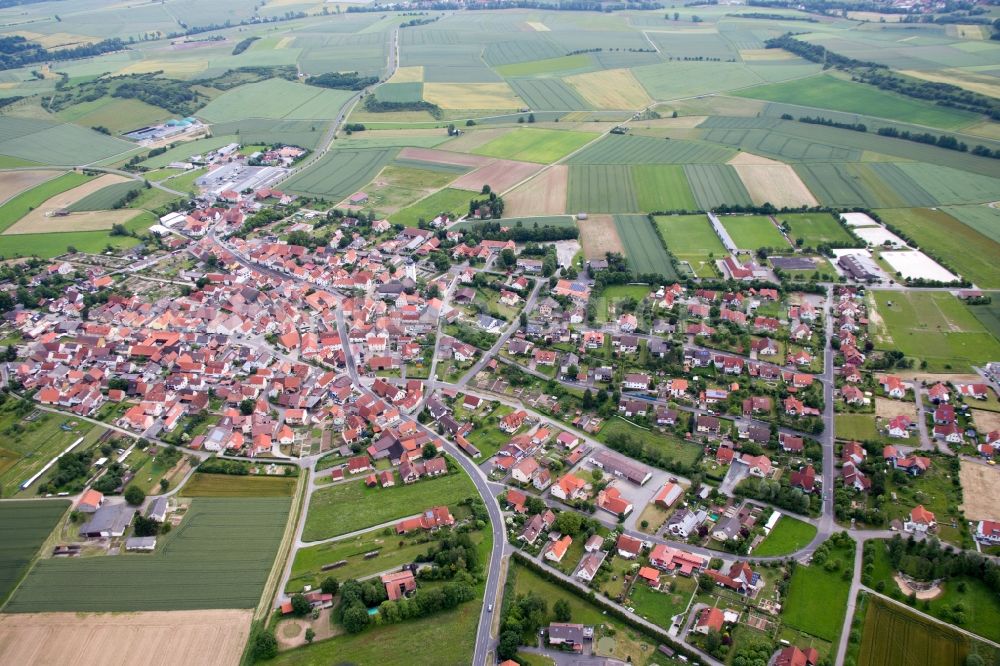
643	247
893	636
716	184
984	219
549	94
662	188
617	149
24	526
875	185
61	144
106	197
339	173
219	557
601	188
816	228
19	206
535	145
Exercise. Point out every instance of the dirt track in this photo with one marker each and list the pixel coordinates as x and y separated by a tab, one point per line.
207	637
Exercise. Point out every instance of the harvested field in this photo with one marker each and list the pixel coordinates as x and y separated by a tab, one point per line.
500	175
412	74
599	235
611	89
443	157
986	421
777	184
213	637
543	195
70	197
472	96
980	491
890	409
13	183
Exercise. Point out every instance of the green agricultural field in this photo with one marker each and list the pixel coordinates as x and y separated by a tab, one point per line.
963	248
934	327
117	115
894	636
46	246
643	247
19	206
829	92
24	526
535	145
750	232
815	229
951	186
219	557
788	536
222	485
875	185
48	143
716	184
374	506
817	599
275	98
691	238
106	197
662	188
400	92
601	188
447	200
266	131
630	149
549	94
989	316
339	173
984	219
783	144
564	65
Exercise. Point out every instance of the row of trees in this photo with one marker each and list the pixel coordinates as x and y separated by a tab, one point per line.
16	51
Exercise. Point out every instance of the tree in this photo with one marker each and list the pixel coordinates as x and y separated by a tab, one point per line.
134	495
300	605
568	522
355	618
509	642
310	635
265	646
164	484
508	257
429	450
329	585
706	583
247	406
562	611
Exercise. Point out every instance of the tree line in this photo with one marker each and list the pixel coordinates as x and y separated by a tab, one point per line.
16	51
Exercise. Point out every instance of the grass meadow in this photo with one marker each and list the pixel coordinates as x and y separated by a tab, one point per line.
679	450
535	145
447	200
219	557
662	188
788	536
223	485
750	232
817	599
327	516
691	238
815	229
24	526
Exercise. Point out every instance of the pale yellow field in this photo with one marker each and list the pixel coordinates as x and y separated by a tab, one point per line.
538	27
744	159
412	74
874	17
41	220
987	128
284	43
775	183
890	409
13	183
211	637
974	81
70	197
472	96
680	122
599	235
986	421
611	89
179	68
980	491
56	39
967	31
766	54
544	194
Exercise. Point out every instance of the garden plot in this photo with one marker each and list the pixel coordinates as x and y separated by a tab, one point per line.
545	194
770	181
210	637
599	235
500	175
914	264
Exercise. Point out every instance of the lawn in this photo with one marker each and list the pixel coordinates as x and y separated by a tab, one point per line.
859	427
219	557
968	251
660	607
327	516
691	238
51	245
894	636
447	200
681	451
788	536
817	598
535	145
24	526
934	327
222	485
612	294
829	92
750	232
815	229
19	206
394	551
